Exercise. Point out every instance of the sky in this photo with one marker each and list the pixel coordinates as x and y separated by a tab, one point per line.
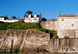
48	8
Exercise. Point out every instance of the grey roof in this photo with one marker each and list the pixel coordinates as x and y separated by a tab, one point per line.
68	15
5	17
2	16
53	19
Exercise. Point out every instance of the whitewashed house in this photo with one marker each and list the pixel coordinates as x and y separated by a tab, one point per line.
29	18
5	19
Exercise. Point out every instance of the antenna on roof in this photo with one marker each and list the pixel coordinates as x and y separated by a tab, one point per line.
40	14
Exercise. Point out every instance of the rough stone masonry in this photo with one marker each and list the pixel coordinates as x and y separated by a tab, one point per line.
22	39
12	40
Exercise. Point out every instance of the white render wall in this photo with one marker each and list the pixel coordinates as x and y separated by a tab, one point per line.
10	20
1	19
37	19
67	23
65	27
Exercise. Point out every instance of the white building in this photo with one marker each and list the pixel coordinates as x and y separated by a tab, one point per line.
68	22
29	18
5	19
2	18
32	18
66	25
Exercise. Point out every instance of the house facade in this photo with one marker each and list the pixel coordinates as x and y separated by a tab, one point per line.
29	18
65	25
68	21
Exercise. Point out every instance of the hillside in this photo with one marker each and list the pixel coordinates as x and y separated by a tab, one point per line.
24	26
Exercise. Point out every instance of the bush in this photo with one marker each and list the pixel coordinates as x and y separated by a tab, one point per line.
56	37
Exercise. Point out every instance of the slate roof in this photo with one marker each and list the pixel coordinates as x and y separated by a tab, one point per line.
5	17
68	15
53	20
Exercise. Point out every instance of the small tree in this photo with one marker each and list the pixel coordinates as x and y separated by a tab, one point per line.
13	17
44	19
29	12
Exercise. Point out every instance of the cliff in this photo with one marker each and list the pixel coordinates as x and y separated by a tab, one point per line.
11	40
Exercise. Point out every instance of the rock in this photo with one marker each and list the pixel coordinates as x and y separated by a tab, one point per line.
15	40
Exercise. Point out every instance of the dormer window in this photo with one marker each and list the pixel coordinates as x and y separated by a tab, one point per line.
35	15
29	16
62	19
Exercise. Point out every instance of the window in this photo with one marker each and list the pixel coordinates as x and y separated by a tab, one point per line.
50	22
72	24
35	19
62	19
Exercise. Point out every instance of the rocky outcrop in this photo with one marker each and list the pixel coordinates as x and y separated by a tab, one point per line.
11	40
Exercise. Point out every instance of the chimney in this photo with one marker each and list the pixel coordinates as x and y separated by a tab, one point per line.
59	14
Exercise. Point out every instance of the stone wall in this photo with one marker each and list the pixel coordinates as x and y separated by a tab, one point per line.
51	25
63	45
12	40
68	33
68	27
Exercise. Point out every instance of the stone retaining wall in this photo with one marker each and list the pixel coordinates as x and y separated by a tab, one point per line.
63	45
